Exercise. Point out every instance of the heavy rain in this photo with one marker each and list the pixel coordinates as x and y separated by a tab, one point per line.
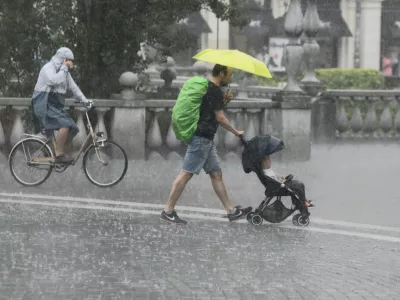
199	149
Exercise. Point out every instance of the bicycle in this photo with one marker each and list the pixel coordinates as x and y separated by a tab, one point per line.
38	155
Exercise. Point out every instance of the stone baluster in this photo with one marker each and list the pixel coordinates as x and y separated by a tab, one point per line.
154	138
252	123
356	121
386	123
293	51
18	127
370	118
231	142
310	82
342	122
173	143
2	137
79	139
397	118
101	127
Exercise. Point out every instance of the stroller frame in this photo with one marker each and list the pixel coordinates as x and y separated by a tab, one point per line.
275	212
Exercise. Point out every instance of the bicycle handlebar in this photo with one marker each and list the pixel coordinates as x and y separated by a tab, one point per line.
88	104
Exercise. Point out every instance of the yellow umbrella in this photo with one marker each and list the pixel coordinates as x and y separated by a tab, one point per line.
234	59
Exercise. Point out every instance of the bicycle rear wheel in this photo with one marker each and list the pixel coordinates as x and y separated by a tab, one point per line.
105	164
29	162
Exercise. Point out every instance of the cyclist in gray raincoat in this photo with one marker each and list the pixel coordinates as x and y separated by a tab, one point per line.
48	100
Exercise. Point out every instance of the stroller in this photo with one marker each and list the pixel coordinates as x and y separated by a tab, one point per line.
272	211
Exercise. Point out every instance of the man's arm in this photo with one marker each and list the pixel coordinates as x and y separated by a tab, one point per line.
224	122
76	91
53	78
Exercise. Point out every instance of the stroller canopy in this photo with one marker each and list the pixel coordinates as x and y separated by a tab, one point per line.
257	149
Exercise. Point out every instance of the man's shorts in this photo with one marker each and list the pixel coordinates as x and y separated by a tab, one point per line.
201	153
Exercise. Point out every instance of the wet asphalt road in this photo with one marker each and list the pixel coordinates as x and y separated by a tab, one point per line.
353	183
70	253
55	248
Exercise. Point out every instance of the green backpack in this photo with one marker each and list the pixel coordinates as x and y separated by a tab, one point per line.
186	112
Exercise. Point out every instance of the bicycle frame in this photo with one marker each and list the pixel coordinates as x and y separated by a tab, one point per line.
50	160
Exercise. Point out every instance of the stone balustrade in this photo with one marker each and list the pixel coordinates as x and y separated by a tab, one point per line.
142	127
16	114
356	114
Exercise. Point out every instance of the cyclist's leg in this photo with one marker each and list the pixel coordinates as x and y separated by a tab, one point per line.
62	138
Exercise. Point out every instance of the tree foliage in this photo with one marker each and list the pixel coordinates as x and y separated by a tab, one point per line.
103	34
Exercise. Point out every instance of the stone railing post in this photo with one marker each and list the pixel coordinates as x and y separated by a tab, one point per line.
129	81
128	122
295	105
310	83
323	120
293	51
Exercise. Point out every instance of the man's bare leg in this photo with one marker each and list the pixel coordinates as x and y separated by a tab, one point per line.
62	137
177	188
220	190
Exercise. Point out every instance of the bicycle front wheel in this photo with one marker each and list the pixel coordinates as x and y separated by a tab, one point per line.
105	164
30	162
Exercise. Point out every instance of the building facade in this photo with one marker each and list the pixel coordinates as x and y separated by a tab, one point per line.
376	21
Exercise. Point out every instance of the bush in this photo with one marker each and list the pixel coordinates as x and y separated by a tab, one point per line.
347	79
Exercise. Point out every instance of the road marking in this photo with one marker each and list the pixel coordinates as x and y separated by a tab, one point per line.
112	202
188	208
202	217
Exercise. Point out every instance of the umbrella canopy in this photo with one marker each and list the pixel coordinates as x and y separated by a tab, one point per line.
234	59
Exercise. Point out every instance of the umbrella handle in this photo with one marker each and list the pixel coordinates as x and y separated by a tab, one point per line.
227	92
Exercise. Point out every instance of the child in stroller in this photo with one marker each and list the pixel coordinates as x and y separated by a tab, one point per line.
256	158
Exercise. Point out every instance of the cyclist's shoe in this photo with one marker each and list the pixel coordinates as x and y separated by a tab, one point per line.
172	217
63	159
239	213
41	136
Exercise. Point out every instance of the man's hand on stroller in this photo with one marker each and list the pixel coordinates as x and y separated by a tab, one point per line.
239	133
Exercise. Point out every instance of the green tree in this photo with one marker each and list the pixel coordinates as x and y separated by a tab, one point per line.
27	34
103	34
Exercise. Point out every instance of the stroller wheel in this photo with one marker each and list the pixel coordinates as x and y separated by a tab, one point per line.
256	220
249	216
299	220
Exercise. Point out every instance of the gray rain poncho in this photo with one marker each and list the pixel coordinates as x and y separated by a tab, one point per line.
48	98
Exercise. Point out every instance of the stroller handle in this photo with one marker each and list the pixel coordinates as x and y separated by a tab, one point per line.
242	139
